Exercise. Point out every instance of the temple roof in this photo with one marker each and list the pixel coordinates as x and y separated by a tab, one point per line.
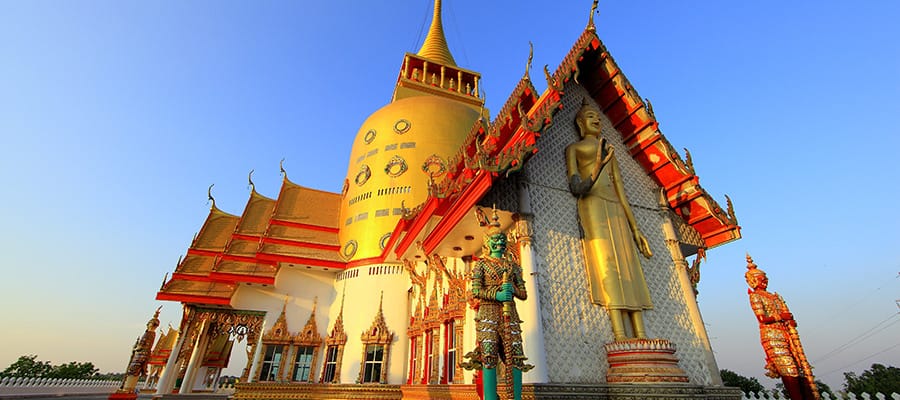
303	230
297	229
191	280
238	263
494	151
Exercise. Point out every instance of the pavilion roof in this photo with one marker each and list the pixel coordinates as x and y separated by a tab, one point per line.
298	229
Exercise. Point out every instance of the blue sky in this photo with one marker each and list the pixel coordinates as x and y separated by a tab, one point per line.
116	116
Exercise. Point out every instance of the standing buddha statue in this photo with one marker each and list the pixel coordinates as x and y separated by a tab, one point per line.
611	232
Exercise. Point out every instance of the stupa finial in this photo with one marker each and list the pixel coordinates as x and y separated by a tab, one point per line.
435	45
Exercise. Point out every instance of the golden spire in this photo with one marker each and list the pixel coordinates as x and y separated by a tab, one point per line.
435	45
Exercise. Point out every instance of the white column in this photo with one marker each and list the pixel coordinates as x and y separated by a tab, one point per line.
530	310
256	349
167	379
196	359
687	291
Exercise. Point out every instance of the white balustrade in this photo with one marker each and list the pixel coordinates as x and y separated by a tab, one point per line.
12	387
777	395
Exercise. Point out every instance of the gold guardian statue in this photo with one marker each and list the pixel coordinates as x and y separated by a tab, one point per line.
612	237
785	357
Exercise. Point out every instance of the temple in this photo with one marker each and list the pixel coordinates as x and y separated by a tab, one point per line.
363	293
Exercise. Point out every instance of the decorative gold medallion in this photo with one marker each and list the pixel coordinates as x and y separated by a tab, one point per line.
363	175
434	166
396	167
350	248
370	136
401	126
384	240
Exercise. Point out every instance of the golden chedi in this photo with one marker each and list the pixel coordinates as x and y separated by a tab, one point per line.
405	144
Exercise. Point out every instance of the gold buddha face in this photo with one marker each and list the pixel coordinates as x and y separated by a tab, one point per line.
588	121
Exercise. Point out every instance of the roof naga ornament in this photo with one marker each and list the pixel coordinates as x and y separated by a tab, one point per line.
530	57
210	196
250	184
590	25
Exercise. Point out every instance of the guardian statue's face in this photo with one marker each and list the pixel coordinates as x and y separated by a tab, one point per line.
496	244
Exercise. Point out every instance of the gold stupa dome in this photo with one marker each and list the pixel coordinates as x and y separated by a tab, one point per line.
396	151
406	144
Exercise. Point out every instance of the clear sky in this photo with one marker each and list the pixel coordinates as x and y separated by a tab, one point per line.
116	116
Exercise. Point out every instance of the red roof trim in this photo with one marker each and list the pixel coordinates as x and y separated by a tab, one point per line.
208	253
291	224
193	298
301	260
247	259
235	278
477	188
296	243
248	238
177	276
417	225
365	261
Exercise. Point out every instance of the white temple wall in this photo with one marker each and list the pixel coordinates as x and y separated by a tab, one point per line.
301	288
363	289
575	329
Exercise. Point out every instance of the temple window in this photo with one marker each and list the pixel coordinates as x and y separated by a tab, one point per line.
276	343
306	346
413	359
334	350
450	348
429	355
331	357
374	363
376	350
271	363
303	360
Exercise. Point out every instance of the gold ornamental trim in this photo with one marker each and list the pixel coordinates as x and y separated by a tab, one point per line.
350	248
402	126
370	136
434	166
396	167
363	175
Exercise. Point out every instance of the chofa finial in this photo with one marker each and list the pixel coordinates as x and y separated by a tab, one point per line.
590	25
530	57
210	196
250	181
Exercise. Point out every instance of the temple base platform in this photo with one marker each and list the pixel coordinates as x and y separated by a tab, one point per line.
643	361
540	391
122	396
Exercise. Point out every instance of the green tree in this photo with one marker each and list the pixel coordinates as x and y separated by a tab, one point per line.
73	370
747	385
28	366
823	388
877	379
